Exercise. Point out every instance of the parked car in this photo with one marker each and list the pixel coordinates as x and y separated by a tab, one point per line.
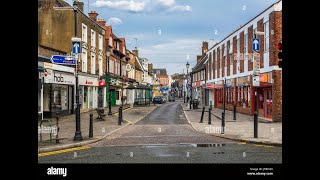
158	100
172	98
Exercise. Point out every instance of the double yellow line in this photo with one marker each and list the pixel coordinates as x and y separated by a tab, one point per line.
63	151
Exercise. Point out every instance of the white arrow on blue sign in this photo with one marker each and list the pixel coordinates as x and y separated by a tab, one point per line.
76	48
256	44
65	60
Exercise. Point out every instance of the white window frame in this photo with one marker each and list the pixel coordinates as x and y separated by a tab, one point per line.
84	60
93	63
110	41
100	42
100	66
84	33
93	38
266	36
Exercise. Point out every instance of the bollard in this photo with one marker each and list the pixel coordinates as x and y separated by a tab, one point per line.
222	123
209	120
201	120
119	117
57	124
121	114
190	104
255	124
91	126
234	112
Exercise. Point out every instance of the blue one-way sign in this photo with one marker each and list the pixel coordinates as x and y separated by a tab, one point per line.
66	60
76	47
256	44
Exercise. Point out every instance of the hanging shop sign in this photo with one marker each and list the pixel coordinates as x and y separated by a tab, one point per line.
102	83
230	82
266	77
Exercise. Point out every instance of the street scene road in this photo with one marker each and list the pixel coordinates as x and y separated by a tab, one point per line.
164	136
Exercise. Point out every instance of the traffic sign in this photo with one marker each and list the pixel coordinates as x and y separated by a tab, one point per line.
65	60
76	45
255	44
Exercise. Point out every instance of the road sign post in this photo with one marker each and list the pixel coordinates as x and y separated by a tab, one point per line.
76	50
256	81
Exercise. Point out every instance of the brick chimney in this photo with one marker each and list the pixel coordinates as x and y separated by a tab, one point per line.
205	46
101	22
78	4
93	15
199	58
135	52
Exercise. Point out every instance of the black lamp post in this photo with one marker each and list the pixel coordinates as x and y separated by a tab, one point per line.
77	136
187	66
108	82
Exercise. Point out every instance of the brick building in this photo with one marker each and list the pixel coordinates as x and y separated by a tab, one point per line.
230	66
56	27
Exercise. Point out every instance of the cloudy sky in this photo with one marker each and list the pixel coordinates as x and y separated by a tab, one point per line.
170	32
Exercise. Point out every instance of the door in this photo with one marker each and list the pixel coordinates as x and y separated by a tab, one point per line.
100	97
113	97
268	103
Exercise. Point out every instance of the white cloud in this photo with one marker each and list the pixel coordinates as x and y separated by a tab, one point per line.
132	6
168	3
114	21
180	8
138	6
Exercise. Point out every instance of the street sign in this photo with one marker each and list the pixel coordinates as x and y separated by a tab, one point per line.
65	60
255	44
76	45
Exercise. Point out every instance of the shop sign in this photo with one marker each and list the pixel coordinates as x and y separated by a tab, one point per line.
266	78
243	81
209	86
102	83
230	83
56	77
88	81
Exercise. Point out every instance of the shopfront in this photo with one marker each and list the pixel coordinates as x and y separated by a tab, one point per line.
88	92
102	94
58	93
265	95
210	89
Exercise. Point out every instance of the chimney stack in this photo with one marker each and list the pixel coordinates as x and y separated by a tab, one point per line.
205	48
101	22
135	52
78	4
93	15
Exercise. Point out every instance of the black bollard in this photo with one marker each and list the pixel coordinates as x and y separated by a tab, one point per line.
209	120
57	124
234	112
119	117
222	123
91	126
255	124
201	120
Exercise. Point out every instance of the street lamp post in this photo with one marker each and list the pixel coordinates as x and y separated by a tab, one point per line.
77	136
108	82
187	66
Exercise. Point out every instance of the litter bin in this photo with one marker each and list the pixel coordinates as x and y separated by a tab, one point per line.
195	104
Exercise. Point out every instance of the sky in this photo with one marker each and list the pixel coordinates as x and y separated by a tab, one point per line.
169	33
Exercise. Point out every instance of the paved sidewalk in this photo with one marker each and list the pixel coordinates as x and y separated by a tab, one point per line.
101	128
239	129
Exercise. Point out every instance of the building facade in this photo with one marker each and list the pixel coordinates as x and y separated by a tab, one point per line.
230	67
